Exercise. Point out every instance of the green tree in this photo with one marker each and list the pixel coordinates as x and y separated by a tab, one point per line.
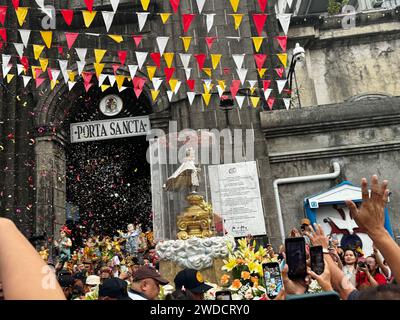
335	6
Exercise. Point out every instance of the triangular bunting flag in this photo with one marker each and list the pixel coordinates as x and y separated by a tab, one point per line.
280	72
138	84
237	18
209	21
71	85
39	81
71	38
168	73
120	81
281	84
24	36
81	66
254	101
206	98
145	4
47	37
44	63
35	70
132	70
215	59
200	5
271	102
266	84
207	71
172	83
174	5
141	58
20	69
99	54
257	41
137	40
71	75
115	67
191	83
165	17
108	17
10	77
154	94
87	76
170	94
201	58
111	78
15	4
98	67
104	87
235	5
259	21
177	86
242	73
68	15
188	72
207	85
102	78
191	96
63	67
210	41
37	50
88	17
3	34
169	57
260	60
282	40
156	57
3	12
89	5
19	47
283	58
122	56
220	91
151	71
54	74
21	14
162	43
115	4
116	38
142	17
238	58
187	19
286	101
284	19
263	4
156	83
267	93
221	83
26	80
261	72
87	86
235	88
186	42
240	100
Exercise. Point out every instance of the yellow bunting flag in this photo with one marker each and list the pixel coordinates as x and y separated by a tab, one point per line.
88	17
71	75
37	50
207	89
235	5
257	41
169	57
98	67
172	84
104	87
252	90
99	54
145	4
34	68
254	101
165	17
207	71
215	58
44	63
238	20
120	81
221	83
261	72
186	42
283	58
154	94
116	38
53	84
21	15
151	71
47	37
9	77
206	97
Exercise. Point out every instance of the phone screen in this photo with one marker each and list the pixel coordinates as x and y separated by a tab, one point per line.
296	257
317	259
223	295
273	279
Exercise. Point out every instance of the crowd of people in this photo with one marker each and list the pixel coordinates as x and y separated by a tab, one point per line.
126	266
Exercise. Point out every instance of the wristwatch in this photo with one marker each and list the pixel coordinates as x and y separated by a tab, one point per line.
325	250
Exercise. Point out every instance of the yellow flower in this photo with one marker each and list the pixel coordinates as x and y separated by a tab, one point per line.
261	251
225	279
229	265
242	243
245	275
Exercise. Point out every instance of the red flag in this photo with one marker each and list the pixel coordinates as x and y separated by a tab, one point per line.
156	56
122	56
266	84
201	58
282	41
259	20
87	76
187	21
235	88
89	5
271	101
115	67
87	86
174	5
3	12
15	4
3	34
169	73
60	50
138	84
280	71
263	4
260	60
191	84
25	62
49	73
210	41
39	81
137	40
71	37
67	15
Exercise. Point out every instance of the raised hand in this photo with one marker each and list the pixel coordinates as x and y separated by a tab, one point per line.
317	236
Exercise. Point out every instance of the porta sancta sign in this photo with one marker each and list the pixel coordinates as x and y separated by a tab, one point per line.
109	129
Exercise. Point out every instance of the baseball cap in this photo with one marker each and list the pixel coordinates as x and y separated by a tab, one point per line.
114	288
145	272
306	222
192	280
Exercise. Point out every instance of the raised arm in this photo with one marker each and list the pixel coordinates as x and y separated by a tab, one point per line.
19	263
379	261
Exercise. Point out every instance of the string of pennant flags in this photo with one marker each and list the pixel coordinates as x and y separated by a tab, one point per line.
138	82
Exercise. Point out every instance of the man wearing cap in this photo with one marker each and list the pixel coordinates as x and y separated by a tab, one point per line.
191	280
145	284
113	289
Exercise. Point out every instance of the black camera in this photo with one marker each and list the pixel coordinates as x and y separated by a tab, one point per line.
362	264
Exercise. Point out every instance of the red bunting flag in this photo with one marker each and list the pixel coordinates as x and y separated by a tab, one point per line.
67	15
259	20
210	41
39	81
260	60
49	73
3	34
201	58
280	71
115	67
266	84
235	88
87	86
3	12
169	73
15	4
187	21
156	57
138	84
263	4
174	5
271	101
71	37
122	56
89	5
282	42
60	50
191	84
137	40
25	62
87	76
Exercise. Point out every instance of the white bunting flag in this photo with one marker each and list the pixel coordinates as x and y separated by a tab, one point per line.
239	100
26	80
200	5
5	66
188	72
71	84
178	85
170	94
141	58
238	58
191	96
55	74
208	84
25	36
252	83
108	17
121	89
156	83
112	79
220	91
81	52
63	67
19	47
102	77
281	84
289	2
162	44
242	73
210	21
20	68
284	19
287	103
114	4
81	66
267	93
132	70
185	58
142	17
